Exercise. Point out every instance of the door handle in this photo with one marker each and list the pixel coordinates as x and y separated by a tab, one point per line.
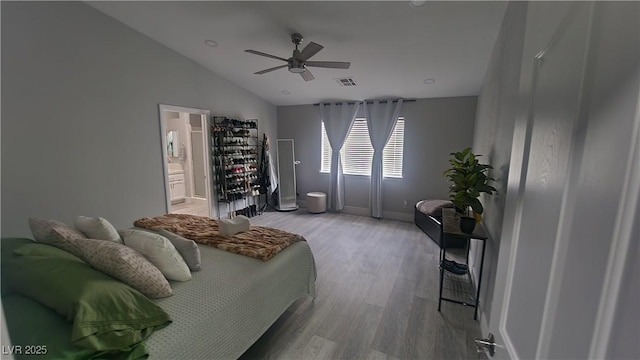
487	344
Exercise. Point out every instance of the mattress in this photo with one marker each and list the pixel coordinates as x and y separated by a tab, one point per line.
231	302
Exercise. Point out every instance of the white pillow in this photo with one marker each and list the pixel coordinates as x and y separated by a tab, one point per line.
233	226
160	252
97	228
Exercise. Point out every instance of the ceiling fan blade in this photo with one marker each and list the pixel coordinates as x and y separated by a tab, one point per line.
309	50
329	64
265	54
307	75
270	69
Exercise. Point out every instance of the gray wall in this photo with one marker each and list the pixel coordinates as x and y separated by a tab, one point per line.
493	136
433	129
80	125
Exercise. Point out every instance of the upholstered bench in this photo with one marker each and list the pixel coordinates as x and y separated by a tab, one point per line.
428	217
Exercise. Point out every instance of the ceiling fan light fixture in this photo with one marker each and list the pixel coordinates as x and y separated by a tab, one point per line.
297	69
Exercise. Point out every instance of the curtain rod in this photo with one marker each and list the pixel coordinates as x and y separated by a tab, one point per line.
371	102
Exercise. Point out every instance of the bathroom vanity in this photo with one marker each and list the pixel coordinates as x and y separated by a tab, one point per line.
177	188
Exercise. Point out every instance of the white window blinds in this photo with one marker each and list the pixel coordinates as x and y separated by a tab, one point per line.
392	155
326	152
357	153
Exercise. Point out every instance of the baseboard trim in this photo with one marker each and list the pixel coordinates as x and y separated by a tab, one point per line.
194	200
391	215
356	210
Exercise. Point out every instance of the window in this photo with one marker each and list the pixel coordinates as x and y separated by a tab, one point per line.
392	153
357	152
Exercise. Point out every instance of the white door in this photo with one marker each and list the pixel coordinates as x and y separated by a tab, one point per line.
199	164
573	186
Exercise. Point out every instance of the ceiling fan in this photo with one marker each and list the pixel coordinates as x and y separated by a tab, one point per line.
298	62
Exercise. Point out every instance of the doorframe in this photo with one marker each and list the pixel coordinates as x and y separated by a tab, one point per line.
519	165
205	132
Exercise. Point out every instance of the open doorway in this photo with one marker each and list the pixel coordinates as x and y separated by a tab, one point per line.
187	174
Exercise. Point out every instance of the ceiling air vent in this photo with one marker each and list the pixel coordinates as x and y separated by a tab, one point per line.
346	82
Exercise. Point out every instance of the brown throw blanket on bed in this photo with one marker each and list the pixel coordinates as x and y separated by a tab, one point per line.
260	242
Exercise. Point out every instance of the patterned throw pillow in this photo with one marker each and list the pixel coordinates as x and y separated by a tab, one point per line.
127	265
97	228
118	261
63	238
42	230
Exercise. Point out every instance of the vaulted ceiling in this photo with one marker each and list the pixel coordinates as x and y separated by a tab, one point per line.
394	46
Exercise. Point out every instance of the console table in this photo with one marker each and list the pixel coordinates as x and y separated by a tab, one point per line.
451	225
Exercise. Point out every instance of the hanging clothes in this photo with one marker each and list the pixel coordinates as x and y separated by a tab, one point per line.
264	176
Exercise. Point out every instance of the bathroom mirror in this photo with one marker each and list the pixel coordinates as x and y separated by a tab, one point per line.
173	147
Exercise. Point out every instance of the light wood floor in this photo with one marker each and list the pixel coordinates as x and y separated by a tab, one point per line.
192	207
377	295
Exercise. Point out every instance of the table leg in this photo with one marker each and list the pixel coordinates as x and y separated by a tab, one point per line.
475	315
443	255
441	279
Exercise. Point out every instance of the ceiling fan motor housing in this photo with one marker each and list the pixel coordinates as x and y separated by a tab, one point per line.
296	66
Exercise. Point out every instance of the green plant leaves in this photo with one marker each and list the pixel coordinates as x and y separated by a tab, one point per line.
468	180
476	205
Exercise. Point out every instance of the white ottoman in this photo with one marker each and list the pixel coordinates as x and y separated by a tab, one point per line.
316	202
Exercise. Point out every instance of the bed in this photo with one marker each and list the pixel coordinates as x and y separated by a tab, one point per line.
218	314
228	305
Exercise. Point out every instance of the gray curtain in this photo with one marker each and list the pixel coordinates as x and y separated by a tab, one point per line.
381	119
337	119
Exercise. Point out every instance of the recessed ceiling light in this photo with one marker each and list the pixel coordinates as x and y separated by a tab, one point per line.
417	3
429	81
285	92
211	43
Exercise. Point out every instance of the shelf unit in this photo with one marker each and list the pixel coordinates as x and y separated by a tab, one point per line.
234	149
458	288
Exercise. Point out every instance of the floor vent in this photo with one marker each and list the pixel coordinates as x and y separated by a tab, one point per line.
346	82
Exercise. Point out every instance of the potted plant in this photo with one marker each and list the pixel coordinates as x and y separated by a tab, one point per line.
468	180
